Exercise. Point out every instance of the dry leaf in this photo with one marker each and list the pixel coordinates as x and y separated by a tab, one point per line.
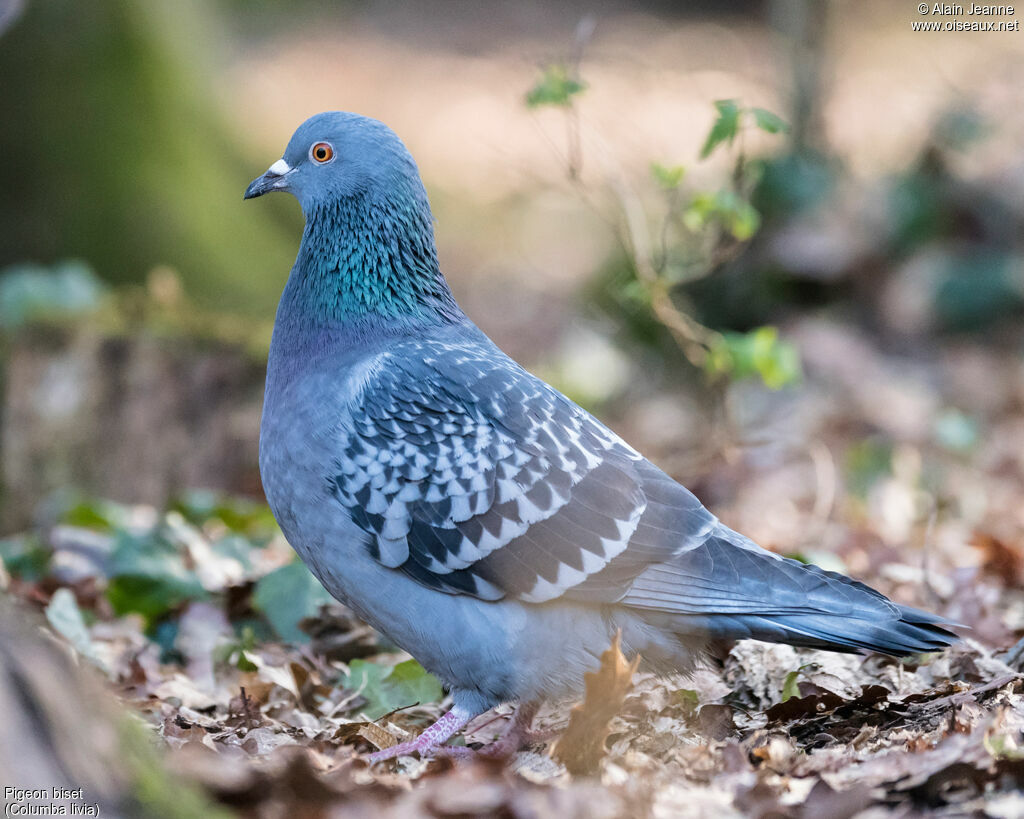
582	746
373	733
1000	560
276	674
370	731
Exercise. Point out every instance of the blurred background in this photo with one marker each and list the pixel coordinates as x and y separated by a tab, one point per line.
777	245
879	232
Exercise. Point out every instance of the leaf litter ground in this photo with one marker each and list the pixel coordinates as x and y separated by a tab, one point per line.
266	693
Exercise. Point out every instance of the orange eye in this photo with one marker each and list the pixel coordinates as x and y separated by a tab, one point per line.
322	152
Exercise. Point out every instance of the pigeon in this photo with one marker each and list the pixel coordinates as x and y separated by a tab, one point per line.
467	510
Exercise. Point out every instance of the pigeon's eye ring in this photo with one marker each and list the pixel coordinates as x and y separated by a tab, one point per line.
321	153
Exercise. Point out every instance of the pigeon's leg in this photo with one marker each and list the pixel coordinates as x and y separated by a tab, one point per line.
516	735
427	742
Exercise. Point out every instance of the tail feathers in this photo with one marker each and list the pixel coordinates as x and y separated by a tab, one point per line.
898	638
730	588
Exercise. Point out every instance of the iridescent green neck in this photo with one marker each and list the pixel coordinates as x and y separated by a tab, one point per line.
369	263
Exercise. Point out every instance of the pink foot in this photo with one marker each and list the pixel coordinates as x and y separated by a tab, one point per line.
516	736
427	742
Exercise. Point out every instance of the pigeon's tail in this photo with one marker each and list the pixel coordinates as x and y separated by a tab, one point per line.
730	588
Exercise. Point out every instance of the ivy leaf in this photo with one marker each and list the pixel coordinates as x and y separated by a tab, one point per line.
735	213
740	217
148	576
688	699
667	176
760	352
725	127
32	292
768	122
288	595
98	515
66	618
387	688
25	557
555	87
199	506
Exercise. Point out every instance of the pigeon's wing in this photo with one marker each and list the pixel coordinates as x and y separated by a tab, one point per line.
475	477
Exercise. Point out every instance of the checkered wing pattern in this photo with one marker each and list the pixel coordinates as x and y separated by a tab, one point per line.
474	477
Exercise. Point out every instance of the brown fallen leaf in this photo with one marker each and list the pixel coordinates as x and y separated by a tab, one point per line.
582	746
372	732
796	707
1000	560
380	737
715	721
244	711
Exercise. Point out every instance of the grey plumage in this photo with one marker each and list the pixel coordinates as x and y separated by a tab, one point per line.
479	518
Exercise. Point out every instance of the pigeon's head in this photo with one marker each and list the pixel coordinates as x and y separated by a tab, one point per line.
368	255
336	155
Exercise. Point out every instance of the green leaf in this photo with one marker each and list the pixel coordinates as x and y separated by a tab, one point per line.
779	366
31	292
866	463
977	288
724	128
555	87
200	506
98	515
25	557
66	618
769	122
387	688
760	352
688	699
288	595
742	220
699	211
789	685
410	679
151	596
735	213
149	576
233	652
667	176
235	547
636	292
1001	746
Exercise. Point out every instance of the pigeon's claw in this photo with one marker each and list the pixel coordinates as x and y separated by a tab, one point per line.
515	737
427	743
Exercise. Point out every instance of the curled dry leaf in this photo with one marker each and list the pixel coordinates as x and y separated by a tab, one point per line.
582	746
377	735
372	732
1000	560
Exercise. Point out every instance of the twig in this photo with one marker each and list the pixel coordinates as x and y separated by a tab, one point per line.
932	595
825	486
584	33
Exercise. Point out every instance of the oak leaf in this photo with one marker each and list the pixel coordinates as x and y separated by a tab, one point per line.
582	746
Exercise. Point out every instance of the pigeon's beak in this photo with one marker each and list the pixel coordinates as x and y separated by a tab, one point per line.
273	180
